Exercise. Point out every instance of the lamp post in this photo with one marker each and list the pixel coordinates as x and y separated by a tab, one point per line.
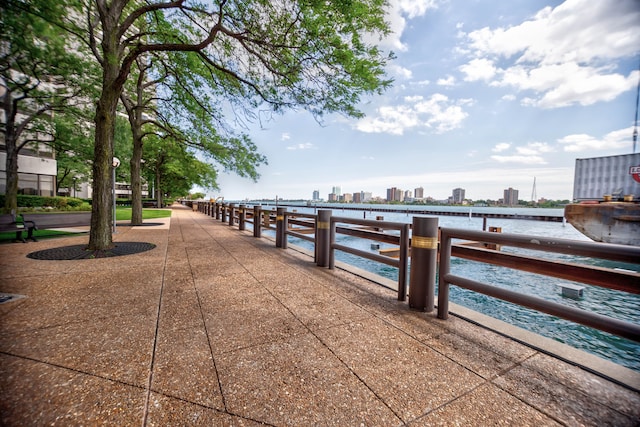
115	164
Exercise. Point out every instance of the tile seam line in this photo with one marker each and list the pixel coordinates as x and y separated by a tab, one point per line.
330	350
77	371
147	398
206	332
312	333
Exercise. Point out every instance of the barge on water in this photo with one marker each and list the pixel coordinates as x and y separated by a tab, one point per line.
606	193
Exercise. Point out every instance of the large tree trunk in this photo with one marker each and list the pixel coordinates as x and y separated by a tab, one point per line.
11	164
11	167
136	181
158	189
113	79
101	209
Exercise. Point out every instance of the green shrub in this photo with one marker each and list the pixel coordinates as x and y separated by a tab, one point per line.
32	203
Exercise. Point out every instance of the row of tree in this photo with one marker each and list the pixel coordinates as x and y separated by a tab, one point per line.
188	76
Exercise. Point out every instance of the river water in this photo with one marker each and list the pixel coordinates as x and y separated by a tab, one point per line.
603	301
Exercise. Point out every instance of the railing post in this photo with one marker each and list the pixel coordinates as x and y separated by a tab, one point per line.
332	240
404	263
232	214
443	286
257	218
424	251
285	228
212	209
217	211
242	213
279	226
323	237
223	213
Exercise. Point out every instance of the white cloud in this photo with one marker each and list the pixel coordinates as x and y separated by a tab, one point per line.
535	148
583	142
285	137
303	146
530	154
501	147
479	69
401	72
527	160
448	81
437	113
397	14
565	55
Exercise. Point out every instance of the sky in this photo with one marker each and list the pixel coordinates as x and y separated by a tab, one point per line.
487	95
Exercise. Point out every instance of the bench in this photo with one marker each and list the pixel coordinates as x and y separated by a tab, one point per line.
47	221
8	223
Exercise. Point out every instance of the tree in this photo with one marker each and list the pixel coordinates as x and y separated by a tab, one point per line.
39	75
174	169
174	95
308	54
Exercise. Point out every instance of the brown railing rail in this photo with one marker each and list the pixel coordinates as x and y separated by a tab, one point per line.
402	262
626	281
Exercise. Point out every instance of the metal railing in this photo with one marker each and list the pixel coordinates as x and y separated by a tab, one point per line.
402	241
626	281
325	227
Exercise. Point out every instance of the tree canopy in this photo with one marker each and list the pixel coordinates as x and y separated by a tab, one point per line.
214	65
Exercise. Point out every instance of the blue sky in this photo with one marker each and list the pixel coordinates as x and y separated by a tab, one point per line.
487	95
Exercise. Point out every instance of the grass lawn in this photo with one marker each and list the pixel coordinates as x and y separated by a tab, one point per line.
122	214
125	213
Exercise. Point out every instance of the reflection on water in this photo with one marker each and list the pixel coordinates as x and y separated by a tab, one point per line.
608	302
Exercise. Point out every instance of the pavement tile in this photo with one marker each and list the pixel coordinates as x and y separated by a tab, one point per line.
298	382
409	376
184	368
484	352
82	296
556	392
319	308
167	411
250	323
487	405
116	348
35	393
180	309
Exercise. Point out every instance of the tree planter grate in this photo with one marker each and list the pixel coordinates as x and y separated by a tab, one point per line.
81	252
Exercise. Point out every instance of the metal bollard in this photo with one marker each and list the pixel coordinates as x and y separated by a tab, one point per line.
323	238
257	214
280	230
217	211
242	213
223	213
232	214
424	251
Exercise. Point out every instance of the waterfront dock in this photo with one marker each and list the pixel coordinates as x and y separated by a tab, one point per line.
216	327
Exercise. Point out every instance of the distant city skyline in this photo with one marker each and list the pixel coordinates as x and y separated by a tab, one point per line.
487	95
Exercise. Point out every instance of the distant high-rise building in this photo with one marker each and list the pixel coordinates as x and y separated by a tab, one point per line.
510	197
316	195
346	197
408	196
337	191
394	194
332	197
458	195
365	196
357	197
418	193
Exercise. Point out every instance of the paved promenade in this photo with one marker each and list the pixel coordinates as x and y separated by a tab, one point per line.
215	327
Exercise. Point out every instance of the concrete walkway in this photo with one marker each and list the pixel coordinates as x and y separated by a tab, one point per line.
216	327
